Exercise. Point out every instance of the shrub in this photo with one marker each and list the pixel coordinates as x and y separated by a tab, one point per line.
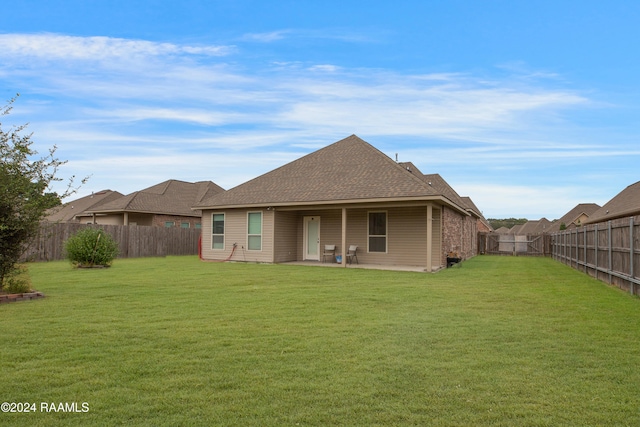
91	247
17	281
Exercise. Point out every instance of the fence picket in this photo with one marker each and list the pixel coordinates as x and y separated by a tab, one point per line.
613	245
133	241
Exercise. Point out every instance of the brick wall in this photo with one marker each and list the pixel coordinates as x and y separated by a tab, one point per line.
459	234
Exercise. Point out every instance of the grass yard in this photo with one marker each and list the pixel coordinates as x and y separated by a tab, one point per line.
174	341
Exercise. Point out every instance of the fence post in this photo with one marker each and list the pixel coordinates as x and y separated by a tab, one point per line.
585	249
596	243
631	245
610	244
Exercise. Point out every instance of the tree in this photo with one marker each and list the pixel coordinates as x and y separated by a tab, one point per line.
25	192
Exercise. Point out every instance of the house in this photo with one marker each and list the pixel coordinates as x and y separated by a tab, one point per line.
625	204
70	211
503	230
538	226
167	204
575	217
348	193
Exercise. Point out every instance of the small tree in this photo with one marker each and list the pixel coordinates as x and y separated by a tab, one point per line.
90	247
25	194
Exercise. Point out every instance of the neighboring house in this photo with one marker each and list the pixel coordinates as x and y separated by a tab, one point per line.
69	212
503	230
348	193
538	226
575	217
167	204
516	229
625	204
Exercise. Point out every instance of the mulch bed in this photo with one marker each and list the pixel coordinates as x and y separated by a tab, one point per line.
6	298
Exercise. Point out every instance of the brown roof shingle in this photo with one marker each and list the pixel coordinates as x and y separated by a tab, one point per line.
626	203
170	197
348	170
69	210
570	217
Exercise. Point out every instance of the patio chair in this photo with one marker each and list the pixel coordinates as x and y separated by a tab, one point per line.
352	253
329	251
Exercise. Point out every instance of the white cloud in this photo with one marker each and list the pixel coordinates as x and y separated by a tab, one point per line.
55	46
136	112
266	37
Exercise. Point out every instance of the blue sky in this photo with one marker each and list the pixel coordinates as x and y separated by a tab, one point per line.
527	107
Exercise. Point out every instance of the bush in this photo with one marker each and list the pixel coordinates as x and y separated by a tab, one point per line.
17	281
91	247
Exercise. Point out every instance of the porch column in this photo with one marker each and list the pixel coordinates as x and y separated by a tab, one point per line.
126	218
429	237
343	246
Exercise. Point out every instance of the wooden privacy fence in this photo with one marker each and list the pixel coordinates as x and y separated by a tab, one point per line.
608	251
134	241
512	244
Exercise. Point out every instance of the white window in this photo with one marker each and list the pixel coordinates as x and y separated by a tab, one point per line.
377	232
217	227
254	231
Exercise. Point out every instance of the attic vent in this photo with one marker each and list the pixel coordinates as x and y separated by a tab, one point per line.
409	169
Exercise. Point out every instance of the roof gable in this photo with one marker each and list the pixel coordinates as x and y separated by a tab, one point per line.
348	170
574	214
69	210
171	197
626	203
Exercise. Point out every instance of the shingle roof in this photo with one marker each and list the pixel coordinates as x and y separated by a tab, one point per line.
350	170
626	203
170	197
534	227
69	210
567	219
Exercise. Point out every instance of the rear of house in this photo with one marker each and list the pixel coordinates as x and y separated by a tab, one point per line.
394	215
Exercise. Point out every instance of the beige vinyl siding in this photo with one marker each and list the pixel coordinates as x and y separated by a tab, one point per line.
206	234
235	224
330	229
286	245
141	219
406	236
107	219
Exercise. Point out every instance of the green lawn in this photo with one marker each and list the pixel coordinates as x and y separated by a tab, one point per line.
175	341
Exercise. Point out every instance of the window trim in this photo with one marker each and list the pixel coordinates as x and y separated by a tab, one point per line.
386	229
255	235
224	229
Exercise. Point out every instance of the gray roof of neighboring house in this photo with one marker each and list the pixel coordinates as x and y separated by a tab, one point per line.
567	219
626	203
348	171
68	211
502	230
170	197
